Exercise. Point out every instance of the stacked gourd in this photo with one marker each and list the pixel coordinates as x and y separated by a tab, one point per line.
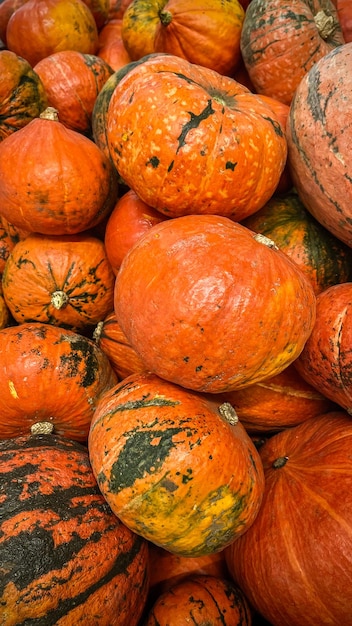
175	219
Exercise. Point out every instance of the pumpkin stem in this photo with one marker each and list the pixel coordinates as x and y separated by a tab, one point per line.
280	462
59	299
265	240
165	17
97	331
42	428
326	24
49	114
227	411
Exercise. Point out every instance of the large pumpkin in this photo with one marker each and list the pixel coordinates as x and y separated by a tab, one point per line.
211	307
295	562
282	39
319	135
65	558
52	375
162	145
176	468
54	180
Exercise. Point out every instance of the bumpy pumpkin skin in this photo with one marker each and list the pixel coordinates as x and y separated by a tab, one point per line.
151	445
325	361
53	375
215	309
319	135
162	146
53	180
294	563
65	558
281	40
206	32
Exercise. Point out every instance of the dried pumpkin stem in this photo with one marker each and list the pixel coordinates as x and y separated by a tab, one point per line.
265	240
50	114
326	24
42	428
97	331
165	17
59	299
227	411
280	462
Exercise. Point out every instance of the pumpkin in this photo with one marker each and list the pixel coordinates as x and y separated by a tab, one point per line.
22	93
206	33
151	443
54	180
72	81
201	600
50	374
62	280
9	236
39	28
161	145
277	403
282	39
111	47
326	358
117	8
319	135
7	7
281	111
344	14
5	316
128	221
111	339
100	10
65	558
211	306
323	258
294	563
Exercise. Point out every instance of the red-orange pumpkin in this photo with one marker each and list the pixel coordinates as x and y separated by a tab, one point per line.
50	374
174	466
111	47
7	7
65	558
294	563
211	306
9	236
344	13
54	180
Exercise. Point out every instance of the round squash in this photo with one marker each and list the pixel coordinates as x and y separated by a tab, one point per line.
319	135
162	145
175	467
294	563
53	375
111	47
65	558
54	180
209	305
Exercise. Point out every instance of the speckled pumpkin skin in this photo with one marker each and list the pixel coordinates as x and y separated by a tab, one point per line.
319	135
190	141
172	468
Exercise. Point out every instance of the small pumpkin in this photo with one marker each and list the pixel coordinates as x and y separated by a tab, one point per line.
62	280
210	305
151	443
52	375
319	135
201	600
281	40
111	47
294	562
65	558
54	180
72	81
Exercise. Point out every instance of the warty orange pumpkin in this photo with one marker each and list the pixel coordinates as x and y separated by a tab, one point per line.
174	467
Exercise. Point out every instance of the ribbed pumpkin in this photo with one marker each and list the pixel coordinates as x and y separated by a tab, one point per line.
41	27
54	180
294	563
22	93
111	339
206	32
50	374
65	558
211	306
282	39
319	135
7	7
72	81
62	280
325	361
323	258
201	600
162	145
175	467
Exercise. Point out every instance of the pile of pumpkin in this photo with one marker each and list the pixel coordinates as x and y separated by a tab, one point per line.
175	312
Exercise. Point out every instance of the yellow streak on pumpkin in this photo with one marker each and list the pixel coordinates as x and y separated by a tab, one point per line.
13	391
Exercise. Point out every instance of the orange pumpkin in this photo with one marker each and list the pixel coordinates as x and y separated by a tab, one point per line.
54	180
9	236
100	10
54	375
152	443
117	8
161	145
111	47
211	306
207	32
344	14
281	111
7	7
72	81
